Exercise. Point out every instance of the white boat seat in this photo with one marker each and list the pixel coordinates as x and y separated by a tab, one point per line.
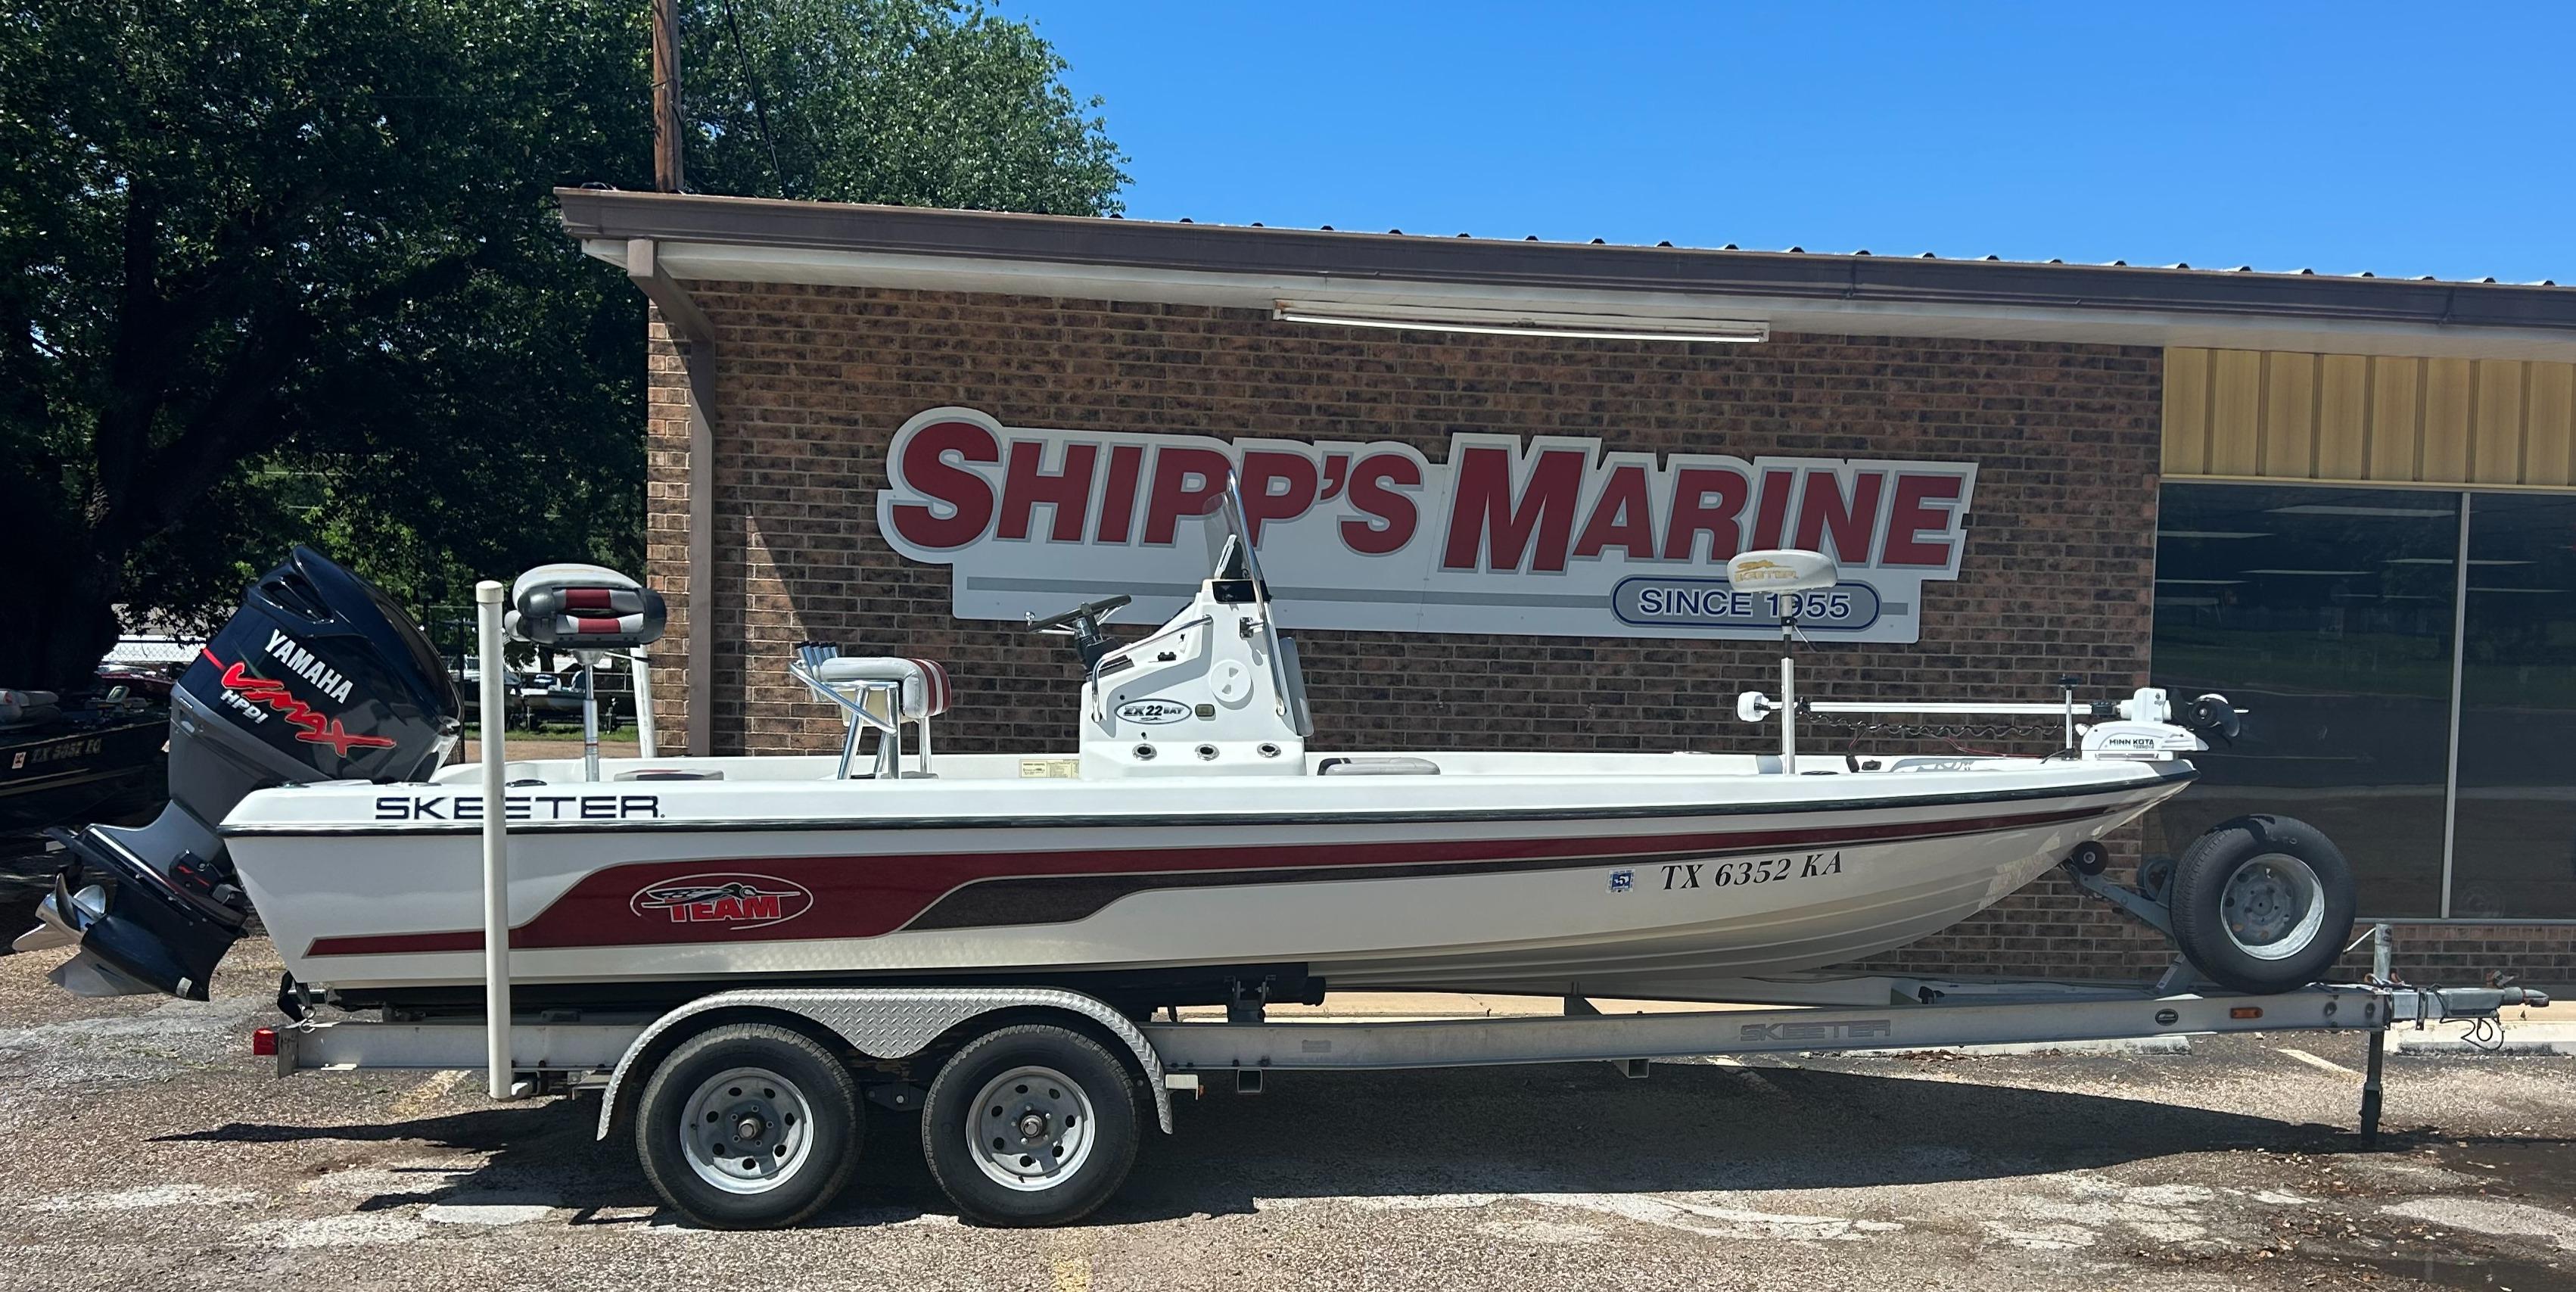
922	684
880	693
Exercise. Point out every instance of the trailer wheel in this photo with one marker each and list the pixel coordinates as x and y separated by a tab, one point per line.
2262	903
2155	878
1030	1125
748	1126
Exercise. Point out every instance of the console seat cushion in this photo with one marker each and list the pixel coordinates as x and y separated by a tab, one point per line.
924	683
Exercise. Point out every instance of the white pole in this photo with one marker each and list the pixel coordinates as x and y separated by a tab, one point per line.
590	661
642	668
496	858
1788	701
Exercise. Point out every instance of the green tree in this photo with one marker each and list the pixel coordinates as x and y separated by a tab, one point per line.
288	270
908	102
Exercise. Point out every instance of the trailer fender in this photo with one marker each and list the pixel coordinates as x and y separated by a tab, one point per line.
893	1023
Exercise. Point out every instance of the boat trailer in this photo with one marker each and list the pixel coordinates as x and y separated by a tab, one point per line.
565	1051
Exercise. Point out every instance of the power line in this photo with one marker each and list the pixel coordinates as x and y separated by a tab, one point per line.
759	100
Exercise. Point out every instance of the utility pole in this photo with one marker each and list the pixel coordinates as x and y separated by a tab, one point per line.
666	95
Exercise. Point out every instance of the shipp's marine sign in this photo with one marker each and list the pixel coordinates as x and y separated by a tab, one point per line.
1552	535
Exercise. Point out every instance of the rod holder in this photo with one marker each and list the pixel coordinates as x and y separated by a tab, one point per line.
646	746
488	597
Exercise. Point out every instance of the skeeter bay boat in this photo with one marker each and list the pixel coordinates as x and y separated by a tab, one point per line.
1190	847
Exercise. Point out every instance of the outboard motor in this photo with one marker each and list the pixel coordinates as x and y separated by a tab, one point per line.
319	677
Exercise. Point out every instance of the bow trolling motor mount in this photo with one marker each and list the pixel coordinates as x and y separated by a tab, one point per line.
318	677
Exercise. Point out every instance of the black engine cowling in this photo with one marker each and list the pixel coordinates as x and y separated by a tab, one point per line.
319	676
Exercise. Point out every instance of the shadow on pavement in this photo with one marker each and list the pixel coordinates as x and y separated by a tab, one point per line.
1568	1129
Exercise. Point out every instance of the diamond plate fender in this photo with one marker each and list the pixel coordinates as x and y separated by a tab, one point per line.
895	1023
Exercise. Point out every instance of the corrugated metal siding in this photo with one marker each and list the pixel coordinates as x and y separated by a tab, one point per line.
2285	415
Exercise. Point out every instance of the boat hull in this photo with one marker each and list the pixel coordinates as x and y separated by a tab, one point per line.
1455	885
104	768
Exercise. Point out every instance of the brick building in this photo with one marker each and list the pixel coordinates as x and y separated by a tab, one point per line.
2349	503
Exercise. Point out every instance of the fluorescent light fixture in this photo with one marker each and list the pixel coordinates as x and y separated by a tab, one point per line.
2551	591
1517	321
2199	583
2444	560
2340	509
2212	533
2186	601
2328	574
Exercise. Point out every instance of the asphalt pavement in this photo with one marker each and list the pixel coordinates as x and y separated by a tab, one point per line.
146	1149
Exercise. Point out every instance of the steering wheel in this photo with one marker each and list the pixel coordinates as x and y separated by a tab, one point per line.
1087	610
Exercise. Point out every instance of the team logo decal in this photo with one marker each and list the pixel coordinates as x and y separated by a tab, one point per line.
736	901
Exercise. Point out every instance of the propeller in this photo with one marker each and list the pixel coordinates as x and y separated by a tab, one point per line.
62	917
2212	715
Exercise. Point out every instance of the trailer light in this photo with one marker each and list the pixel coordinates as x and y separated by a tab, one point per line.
2246	1011
1520	321
263	1042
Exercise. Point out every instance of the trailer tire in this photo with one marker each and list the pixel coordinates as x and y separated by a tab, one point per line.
749	1126
2262	903
1030	1125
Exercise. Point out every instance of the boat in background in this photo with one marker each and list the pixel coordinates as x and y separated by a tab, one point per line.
68	760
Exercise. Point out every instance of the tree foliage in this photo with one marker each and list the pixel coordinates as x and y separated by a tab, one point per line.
289	270
910	102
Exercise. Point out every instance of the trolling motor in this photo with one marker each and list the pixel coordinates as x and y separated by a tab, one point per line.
1784	572
318	677
2146	727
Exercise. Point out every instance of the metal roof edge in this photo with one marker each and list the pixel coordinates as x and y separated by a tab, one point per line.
1142	249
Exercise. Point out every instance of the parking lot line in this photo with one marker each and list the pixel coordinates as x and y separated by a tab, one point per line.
2313	1061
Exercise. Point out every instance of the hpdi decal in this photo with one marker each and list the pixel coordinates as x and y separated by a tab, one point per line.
1552	535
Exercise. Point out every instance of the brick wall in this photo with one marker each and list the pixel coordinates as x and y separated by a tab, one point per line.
812	381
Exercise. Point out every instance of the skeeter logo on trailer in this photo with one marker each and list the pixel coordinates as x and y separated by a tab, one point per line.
742	901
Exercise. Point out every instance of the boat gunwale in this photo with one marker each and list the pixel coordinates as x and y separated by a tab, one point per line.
2168	774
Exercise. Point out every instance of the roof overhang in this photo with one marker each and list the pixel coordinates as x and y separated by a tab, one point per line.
760	241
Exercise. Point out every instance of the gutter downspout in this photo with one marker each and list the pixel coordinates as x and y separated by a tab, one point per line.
696	341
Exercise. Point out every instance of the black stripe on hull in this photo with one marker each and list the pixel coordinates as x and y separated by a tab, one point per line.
1062	899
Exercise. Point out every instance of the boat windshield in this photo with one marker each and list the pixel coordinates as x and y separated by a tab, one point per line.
1227	538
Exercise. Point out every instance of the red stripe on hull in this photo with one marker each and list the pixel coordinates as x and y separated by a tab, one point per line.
870	896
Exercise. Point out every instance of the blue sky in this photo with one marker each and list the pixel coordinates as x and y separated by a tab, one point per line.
2402	140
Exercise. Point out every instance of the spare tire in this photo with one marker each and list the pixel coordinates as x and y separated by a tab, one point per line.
2262	903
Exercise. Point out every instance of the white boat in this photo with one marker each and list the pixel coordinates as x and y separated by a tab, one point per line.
1188	846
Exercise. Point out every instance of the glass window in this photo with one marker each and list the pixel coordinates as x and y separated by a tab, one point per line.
2514	847
2327	613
